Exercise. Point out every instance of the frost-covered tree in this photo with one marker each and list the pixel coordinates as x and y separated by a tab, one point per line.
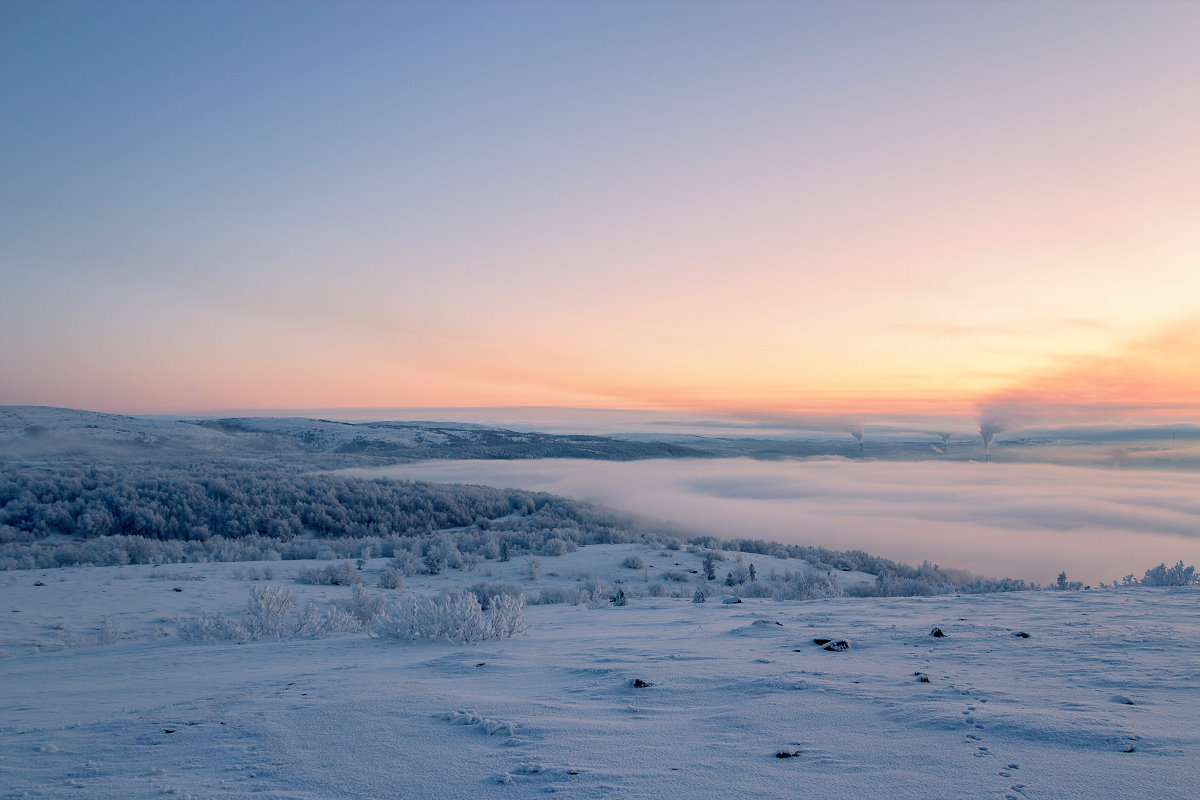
1063	585
1176	575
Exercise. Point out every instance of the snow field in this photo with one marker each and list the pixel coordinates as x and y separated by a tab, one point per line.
556	710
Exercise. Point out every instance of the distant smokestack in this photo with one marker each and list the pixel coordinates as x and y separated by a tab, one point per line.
988	431
857	432
945	437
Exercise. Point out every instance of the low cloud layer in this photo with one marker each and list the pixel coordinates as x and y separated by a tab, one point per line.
1022	520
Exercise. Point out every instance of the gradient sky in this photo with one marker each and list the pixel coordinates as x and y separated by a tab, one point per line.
833	208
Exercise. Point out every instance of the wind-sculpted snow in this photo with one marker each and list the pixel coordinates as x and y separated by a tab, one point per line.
659	699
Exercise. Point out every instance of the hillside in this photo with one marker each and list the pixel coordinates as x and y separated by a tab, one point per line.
40	432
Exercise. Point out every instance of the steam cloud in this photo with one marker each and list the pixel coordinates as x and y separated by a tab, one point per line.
857	432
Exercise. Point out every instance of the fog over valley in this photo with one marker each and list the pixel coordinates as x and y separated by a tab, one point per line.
1025	520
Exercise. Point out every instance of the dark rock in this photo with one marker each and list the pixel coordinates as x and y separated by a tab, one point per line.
638	683
1021	635
38	583
822	641
937	633
787	752
177	589
921	677
837	647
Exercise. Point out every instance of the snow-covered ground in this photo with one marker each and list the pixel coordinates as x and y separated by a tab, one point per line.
1101	700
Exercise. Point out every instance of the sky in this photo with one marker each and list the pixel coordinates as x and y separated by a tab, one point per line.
767	210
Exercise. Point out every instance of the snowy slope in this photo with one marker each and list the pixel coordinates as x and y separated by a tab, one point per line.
351	716
37	431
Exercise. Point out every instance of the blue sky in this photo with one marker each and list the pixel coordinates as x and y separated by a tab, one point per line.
717	206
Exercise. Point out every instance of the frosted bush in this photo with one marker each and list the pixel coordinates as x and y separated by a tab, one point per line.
364	607
342	573
506	617
757	589
591	599
317	621
486	592
212	628
269	612
391	578
558	547
593	585
807	584
556	594
407	563
454	618
110	631
634	562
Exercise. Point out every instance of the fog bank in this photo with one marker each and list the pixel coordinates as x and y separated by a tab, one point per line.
1020	520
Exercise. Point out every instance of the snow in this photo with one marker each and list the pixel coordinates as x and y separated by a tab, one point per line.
1099	701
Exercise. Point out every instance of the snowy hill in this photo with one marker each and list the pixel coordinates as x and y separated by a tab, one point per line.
1098	701
36	431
